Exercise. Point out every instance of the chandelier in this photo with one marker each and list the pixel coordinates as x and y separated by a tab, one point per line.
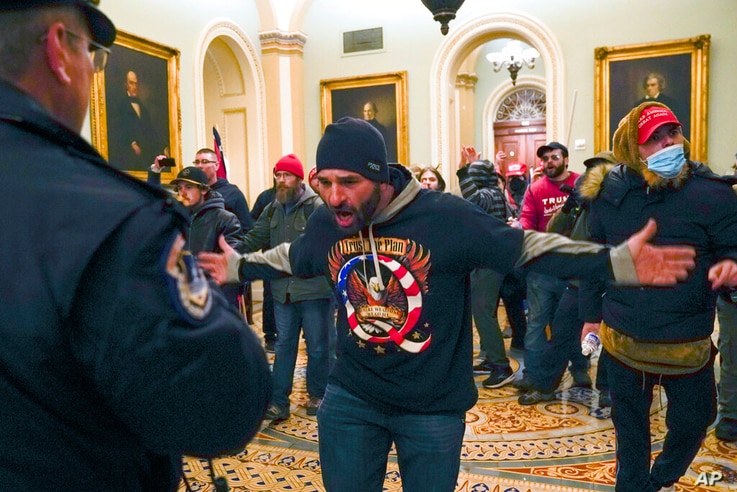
443	11
513	57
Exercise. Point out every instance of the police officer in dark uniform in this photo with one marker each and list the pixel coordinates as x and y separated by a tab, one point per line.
117	355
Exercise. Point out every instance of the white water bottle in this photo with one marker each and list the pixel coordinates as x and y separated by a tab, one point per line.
590	344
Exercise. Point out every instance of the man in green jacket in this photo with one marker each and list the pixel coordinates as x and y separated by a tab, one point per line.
305	303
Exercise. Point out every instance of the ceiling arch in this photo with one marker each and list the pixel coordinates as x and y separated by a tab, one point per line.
280	15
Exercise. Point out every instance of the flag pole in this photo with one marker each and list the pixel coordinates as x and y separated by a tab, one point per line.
218	147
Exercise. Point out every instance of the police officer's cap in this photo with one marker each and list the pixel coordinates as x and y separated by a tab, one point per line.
102	29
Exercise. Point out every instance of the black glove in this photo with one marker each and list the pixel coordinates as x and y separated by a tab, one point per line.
570	204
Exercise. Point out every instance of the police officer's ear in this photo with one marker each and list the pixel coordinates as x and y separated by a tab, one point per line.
58	52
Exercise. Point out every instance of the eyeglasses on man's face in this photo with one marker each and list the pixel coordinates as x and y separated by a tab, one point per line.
98	53
551	157
197	162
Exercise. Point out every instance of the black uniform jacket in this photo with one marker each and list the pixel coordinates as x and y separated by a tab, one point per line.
115	355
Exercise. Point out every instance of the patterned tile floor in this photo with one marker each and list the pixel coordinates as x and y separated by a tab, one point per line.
565	445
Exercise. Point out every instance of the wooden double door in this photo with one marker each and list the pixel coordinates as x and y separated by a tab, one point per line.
519	140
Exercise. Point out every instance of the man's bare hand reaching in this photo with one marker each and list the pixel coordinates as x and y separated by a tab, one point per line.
659	265
219	265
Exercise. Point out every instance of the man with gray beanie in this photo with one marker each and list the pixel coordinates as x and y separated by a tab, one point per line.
399	258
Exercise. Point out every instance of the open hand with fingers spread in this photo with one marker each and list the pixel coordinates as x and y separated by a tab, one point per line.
659	265
216	264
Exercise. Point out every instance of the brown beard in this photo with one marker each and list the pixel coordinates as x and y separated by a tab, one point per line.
555	172
285	195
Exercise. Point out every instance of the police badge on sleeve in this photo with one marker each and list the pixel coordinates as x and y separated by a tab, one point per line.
186	282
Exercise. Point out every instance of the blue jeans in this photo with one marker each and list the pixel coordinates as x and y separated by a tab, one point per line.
268	325
543	296
564	344
355	439
315	317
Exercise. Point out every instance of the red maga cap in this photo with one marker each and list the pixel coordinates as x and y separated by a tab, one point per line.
517	169
652	118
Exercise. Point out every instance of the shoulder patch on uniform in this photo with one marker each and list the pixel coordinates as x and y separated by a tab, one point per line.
186	283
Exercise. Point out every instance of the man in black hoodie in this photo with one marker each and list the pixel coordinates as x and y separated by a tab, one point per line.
399	258
208	218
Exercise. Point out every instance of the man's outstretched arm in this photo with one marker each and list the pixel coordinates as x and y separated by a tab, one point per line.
634	262
225	267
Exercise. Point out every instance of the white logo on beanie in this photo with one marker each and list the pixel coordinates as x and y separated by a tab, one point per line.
374	166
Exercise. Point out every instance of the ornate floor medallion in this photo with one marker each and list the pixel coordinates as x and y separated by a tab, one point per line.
563	445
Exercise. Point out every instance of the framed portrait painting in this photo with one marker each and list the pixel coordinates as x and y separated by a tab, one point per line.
135	113
672	72
380	99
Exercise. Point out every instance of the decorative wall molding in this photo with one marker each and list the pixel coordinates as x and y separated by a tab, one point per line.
282	43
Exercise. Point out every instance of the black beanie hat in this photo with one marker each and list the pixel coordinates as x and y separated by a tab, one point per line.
353	145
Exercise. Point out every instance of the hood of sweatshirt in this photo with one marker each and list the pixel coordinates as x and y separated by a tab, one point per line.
406	189
215	200
483	174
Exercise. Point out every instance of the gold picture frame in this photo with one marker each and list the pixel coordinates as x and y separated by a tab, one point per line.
619	75
387	91
128	131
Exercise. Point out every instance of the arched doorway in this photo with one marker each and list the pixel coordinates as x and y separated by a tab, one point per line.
229	88
461	42
516	123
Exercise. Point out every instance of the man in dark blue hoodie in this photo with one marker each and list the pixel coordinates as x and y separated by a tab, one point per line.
400	258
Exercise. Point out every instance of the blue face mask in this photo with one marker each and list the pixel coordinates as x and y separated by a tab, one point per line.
667	163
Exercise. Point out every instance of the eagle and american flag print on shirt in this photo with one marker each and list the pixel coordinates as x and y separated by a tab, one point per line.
387	316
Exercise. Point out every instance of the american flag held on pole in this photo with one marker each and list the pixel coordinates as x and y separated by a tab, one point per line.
221	172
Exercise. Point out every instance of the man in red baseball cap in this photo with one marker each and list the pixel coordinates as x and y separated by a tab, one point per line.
656	336
652	118
516	169
516	183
